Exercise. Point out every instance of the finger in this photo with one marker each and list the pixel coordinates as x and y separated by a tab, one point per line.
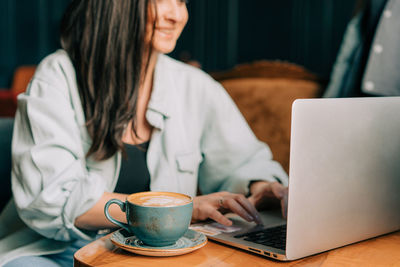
249	207
284	205
252	200
218	217
279	190
235	207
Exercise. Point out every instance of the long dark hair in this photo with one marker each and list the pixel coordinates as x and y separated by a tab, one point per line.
105	40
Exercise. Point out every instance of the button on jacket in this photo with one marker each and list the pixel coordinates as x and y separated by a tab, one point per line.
384	58
199	139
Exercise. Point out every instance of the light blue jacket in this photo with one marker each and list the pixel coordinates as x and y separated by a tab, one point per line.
199	139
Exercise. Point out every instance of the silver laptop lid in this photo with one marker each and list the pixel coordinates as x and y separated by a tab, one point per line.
344	173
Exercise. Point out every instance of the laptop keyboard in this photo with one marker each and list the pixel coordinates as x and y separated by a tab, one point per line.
272	237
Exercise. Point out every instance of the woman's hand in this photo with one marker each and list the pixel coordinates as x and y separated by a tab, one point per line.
214	205
269	194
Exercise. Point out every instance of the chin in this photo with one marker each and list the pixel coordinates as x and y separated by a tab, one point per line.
164	48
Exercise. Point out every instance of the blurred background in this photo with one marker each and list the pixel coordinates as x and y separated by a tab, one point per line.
220	33
297	41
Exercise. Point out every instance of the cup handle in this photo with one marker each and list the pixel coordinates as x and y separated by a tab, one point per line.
122	206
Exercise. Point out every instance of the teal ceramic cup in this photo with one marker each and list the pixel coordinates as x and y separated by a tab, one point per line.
156	218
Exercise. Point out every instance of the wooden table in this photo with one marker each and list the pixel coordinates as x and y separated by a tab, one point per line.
381	251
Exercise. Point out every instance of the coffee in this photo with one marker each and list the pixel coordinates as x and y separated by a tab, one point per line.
159	200
156	218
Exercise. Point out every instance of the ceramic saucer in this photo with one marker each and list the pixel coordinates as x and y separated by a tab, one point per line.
189	242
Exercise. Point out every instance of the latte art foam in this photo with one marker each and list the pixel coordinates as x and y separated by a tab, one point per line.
160	201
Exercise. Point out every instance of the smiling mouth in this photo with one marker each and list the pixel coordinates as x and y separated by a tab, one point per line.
165	32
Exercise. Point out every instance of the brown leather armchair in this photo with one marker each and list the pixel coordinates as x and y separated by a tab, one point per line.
8	98
264	92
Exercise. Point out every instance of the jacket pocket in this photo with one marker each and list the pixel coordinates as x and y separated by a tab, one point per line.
188	162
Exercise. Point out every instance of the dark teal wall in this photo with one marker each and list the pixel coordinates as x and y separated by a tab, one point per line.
220	33
28	31
307	32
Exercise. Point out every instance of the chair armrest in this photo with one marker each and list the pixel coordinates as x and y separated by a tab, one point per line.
8	103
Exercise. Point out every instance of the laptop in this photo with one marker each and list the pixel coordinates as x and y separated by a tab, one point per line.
344	184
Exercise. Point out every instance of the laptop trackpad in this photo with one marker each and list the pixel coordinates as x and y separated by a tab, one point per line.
270	218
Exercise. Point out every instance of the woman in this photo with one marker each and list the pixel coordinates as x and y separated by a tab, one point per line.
111	115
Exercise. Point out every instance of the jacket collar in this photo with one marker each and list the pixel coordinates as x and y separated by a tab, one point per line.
163	86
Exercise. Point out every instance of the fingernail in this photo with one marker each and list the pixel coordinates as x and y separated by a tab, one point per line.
250	218
258	219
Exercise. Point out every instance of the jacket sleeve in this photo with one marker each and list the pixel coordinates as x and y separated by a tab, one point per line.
232	155
50	181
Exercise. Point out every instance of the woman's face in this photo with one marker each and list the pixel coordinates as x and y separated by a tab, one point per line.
172	16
